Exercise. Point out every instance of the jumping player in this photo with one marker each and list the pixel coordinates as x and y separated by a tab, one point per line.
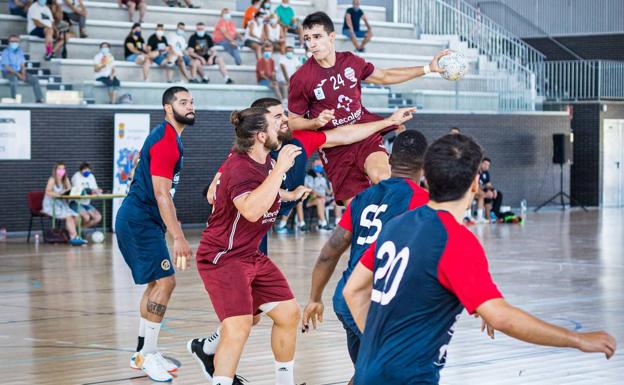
424	277
240	280
360	226
144	217
326	92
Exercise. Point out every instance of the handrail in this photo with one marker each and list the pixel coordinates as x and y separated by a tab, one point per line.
574	80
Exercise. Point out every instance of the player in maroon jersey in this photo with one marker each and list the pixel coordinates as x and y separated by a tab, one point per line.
325	93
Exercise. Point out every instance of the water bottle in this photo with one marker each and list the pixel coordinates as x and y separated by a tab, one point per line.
37	239
523	208
3	234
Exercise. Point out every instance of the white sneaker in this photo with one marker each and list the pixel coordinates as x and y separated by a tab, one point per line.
153	368
165	363
133	363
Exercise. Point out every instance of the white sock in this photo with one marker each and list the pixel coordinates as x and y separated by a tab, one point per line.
467	214
226	78
301	224
284	373
479	213
282	223
151	337
323	223
210	344
218	380
142	327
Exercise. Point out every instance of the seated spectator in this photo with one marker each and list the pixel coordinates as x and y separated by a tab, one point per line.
265	71
288	64
177	45
274	34
266	6
351	26
75	11
288	21
250	12
132	6
226	36
134	49
321	192
488	197
201	48
58	184
159	52
14	69
173	3
40	24
254	34
104	68
19	7
85	179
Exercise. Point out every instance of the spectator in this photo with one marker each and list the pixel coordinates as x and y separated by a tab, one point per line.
254	34
266	6
201	48
104	68
85	180
226	36
288	64
282	228
488	197
74	10
250	12
321	192
274	34
58	184
177	44
173	3
134	49
40	24
158	51
132	6
288	21
14	69
454	130
265	71
351	26
19	7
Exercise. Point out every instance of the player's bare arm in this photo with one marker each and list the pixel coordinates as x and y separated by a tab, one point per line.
298	122
403	74
301	192
323	270
181	247
357	294
352	133
521	325
254	205
212	189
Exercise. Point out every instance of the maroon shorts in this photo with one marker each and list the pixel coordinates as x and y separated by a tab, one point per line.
238	286
344	166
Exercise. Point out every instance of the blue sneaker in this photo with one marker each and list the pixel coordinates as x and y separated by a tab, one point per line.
77	241
281	229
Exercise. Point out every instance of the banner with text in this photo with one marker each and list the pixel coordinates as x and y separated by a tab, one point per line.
14	135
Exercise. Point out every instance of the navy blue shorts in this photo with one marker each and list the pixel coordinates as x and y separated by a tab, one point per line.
264	245
353	337
145	250
38	31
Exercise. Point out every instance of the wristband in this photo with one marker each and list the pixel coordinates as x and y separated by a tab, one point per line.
426	69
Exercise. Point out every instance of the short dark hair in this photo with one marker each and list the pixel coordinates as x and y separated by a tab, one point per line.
103	43
451	164
265	103
11	36
135	25
454	129
181	23
486	159
247	123
160	25
408	150
319	18
200	23
169	96
84	165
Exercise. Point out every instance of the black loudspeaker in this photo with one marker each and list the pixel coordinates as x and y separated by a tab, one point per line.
562	148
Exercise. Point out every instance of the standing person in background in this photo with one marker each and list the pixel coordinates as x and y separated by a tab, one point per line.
104	68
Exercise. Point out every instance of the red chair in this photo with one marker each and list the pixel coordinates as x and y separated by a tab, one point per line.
35	204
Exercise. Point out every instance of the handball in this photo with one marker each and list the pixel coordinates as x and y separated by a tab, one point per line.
97	237
454	65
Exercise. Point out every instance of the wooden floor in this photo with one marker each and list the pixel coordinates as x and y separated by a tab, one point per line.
69	315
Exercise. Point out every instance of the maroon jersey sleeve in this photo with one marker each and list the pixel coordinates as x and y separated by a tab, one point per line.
164	155
463	267
345	221
364	68
420	196
239	183
310	140
298	99
220	170
368	258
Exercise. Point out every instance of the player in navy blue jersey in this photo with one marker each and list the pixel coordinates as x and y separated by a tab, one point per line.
144	217
359	227
411	286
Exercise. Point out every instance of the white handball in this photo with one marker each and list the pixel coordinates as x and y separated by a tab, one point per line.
97	237
454	65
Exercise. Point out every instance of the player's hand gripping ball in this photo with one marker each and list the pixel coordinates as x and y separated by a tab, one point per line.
454	65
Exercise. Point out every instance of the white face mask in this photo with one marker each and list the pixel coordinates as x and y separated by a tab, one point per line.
180	32
227	16
160	33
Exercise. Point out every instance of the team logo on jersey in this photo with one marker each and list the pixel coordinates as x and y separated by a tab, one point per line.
165	264
318	90
344	102
349	73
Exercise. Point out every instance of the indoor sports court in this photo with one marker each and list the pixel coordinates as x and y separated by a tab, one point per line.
182	179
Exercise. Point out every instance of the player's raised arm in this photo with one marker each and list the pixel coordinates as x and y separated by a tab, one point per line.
403	74
298	122
348	134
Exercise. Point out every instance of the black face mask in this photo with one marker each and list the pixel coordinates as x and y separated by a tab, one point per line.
186	120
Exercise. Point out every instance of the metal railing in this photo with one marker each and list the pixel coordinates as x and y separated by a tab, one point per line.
574	80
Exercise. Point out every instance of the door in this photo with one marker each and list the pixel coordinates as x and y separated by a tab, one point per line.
613	163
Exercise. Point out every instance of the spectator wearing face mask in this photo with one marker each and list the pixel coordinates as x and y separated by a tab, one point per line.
288	21
85	180
40	23
226	36
104	68
14	69
159	52
265	71
75	11
288	64
275	34
321	193
254	34
177	44
202	48
20	7
134	50
132	6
